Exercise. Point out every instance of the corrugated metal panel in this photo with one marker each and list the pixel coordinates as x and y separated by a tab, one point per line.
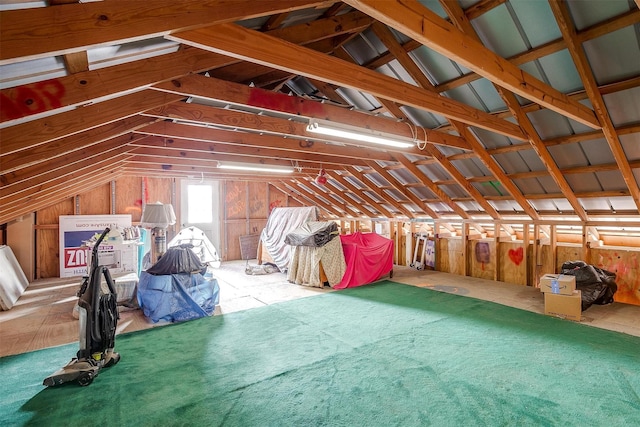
536	20
624	106
588	13
499	32
25	72
437	67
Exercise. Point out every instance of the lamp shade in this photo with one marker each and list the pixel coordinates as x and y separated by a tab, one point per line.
156	215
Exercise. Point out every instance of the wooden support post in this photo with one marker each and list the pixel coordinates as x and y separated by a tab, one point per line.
398	238
586	245
525	242
465	248
553	246
495	256
537	255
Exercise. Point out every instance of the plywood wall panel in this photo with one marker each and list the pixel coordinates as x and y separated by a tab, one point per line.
545	261
129	197
235	199
626	265
96	201
568	253
257	225
47	241
450	258
258	205
478	264
158	190
235	229
277	199
512	265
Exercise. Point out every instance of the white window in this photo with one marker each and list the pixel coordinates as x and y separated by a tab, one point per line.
199	204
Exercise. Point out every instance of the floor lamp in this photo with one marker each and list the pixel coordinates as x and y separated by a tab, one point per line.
158	217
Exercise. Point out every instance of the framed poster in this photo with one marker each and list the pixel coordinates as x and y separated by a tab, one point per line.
75	230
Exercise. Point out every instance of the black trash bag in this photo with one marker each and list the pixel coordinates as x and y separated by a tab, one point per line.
597	285
178	259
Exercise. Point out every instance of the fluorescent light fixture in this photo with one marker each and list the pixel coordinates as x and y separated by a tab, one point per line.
340	130
250	167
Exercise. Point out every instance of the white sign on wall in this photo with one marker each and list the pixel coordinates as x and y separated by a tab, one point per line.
76	229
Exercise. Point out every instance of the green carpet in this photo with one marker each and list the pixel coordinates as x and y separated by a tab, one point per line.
379	355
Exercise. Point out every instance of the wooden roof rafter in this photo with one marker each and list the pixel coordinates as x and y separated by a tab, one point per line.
416	21
459	19
385	35
364	178
245	44
576	50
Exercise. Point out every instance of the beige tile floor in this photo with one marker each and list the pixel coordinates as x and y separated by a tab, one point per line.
43	316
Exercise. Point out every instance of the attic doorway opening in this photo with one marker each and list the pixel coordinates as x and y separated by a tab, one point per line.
200	207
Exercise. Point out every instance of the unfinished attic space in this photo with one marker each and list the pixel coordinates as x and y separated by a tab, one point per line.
337	175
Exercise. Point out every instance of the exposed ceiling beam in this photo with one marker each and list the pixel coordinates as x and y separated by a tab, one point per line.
210	135
35	175
25	102
242	95
75	168
47	129
617	22
459	19
363	193
577	52
434	188
68	145
71	28
273	126
403	189
304	198
385	35
68	187
249	45
373	186
416	21
199	150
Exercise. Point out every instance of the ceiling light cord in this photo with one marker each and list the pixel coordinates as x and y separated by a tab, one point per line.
414	134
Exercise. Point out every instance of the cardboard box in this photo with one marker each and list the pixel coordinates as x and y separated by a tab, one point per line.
563	306
562	284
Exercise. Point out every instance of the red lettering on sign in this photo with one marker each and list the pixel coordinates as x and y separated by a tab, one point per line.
75	257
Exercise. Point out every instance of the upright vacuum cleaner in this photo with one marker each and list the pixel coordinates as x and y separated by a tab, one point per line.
98	316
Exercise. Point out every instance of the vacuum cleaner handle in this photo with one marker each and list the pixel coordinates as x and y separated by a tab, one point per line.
100	239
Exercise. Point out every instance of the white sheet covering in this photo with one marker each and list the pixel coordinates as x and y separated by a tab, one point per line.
281	222
305	264
13	281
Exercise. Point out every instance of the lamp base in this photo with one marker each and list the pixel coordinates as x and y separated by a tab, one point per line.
158	243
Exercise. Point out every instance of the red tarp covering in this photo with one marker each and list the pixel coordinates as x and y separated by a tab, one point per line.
369	256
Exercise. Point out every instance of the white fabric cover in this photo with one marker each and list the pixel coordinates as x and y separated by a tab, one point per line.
281	222
13	282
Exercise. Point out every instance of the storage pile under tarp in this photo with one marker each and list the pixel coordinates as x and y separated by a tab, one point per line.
369	256
281	222
177	288
315	248
597	285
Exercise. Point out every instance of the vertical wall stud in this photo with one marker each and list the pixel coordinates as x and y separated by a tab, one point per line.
113	197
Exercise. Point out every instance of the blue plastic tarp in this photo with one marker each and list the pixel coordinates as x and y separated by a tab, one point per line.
177	297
